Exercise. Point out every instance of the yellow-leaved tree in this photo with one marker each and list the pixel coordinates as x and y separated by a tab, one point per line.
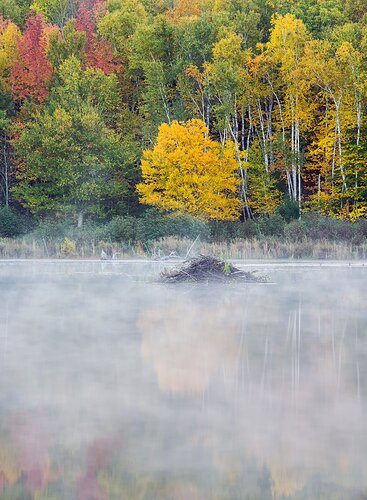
9	36
187	172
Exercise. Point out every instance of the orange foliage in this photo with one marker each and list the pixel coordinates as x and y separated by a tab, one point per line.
31	73
99	53
185	8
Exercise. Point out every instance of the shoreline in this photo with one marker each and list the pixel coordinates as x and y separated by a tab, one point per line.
176	249
263	263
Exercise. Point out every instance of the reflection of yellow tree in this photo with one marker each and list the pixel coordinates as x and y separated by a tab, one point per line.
9	471
180	490
286	481
140	487
186	342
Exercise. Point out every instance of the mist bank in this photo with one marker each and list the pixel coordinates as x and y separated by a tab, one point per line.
158	236
115	384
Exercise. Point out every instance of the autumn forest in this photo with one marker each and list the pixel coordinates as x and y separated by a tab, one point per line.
183	249
219	109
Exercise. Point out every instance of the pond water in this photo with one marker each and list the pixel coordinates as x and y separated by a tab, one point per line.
114	386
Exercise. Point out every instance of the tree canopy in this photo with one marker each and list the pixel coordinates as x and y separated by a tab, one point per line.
188	172
275	91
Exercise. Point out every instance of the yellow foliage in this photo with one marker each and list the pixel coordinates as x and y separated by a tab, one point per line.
188	172
9	35
357	212
68	247
229	49
287	41
286	48
186	8
263	196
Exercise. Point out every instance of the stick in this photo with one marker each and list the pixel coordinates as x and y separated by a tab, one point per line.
45	244
191	247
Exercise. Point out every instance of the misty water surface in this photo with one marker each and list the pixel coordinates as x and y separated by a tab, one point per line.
114	386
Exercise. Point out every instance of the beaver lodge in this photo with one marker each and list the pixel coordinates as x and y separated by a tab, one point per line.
206	268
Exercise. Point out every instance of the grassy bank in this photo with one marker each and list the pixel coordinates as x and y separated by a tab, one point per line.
254	248
155	236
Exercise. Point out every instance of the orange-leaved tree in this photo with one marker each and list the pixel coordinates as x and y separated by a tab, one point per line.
31	74
187	172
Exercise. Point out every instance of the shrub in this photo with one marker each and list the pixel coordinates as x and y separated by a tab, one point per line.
271	226
52	228
223	230
295	231
361	228
152	226
121	229
187	227
11	224
289	210
248	229
317	227
86	234
67	247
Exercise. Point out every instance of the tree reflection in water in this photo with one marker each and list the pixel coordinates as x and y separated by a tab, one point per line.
119	389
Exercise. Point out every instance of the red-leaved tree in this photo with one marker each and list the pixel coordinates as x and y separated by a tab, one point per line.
31	72
98	52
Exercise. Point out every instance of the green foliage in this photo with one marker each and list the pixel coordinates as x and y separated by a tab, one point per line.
61	237
251	20
74	159
152	226
227	267
65	44
271	226
316	227
230	230
11	224
319	17
54	11
152	57
289	209
16	10
80	87
197	38
120	23
122	229
51	228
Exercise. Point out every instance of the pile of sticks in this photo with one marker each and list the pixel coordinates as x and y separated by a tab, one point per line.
207	268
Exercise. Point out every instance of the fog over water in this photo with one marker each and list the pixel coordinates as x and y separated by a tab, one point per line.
114	386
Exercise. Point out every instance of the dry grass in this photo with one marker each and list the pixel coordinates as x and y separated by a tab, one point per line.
238	249
264	249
